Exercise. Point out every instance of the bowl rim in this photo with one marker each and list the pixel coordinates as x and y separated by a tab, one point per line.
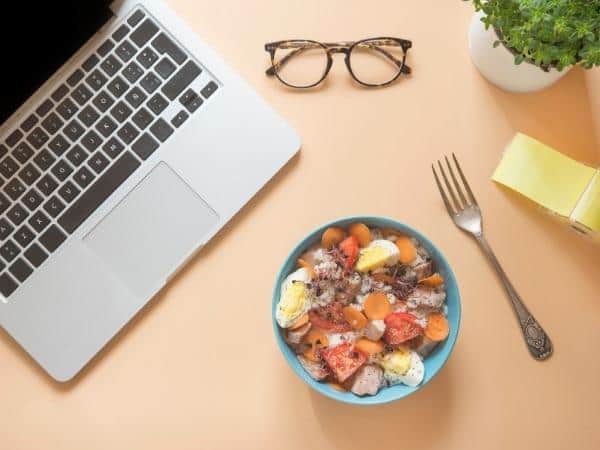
305	242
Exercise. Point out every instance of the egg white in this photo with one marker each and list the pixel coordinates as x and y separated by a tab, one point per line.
301	275
415	374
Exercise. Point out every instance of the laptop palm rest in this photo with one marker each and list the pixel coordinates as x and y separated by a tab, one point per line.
152	230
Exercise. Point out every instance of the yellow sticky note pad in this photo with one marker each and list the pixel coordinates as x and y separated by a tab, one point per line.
544	175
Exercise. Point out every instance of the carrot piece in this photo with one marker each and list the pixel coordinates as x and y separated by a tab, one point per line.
355	318
437	327
311	270
385	278
316	339
408	252
368	346
337	387
311	354
332	237
377	306
361	232
300	322
433	280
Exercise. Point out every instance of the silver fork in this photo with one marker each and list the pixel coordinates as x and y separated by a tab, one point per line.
466	215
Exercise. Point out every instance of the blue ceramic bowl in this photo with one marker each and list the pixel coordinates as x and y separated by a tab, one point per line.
433	363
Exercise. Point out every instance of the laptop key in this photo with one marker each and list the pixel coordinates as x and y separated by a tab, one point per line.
22	152
111	65
61	170
98	162
76	155
120	112
37	138
29	122
132	72
165	68
150	83
128	133
9	251
113	147
75	78
43	160
81	94
58	145
88	116
59	93
13	138
5	228
135	97
142	118
157	103
54	206
44	108
7	285
32	199
20	270
103	101
106	47
17	214
68	191
191	100
125	51
117	86
83	177
35	255
73	130
106	126
24	236
147	57
209	89
52	238
47	184
39	221
181	80
179	118
163	44
120	32
96	80
3	150
161	129
90	63
14	189
8	167
144	32
98	192
52	123
67	108
29	174
135	18
91	140
144	146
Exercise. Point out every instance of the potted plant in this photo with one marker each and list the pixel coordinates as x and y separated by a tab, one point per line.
526	45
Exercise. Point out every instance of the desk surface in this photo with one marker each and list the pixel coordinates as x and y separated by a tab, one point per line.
174	380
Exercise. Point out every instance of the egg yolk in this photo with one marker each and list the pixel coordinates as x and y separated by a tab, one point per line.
293	301
372	258
397	362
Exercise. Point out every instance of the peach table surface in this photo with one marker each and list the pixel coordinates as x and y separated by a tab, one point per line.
199	367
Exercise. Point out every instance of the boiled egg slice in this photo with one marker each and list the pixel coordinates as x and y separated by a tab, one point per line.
294	299
416	372
379	253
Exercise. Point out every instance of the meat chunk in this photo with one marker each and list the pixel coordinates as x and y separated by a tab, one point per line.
426	296
294	337
316	370
424	346
423	270
375	330
368	380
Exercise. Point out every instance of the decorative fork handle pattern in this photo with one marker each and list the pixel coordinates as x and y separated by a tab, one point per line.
538	342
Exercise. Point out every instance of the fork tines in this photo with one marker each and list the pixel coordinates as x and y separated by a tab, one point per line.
465	195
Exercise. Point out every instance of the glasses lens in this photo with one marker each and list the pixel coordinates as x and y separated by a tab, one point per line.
376	61
300	63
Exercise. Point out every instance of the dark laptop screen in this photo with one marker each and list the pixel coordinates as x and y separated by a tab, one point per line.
36	38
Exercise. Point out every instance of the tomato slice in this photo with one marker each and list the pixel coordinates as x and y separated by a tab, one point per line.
401	327
349	248
330	318
343	360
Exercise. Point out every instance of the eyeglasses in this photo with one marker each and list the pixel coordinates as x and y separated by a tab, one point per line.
302	63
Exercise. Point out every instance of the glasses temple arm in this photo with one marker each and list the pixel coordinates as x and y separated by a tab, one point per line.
276	65
403	67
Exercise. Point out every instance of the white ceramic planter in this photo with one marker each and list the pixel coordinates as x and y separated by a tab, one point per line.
497	64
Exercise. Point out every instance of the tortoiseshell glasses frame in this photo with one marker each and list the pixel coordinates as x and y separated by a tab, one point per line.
346	47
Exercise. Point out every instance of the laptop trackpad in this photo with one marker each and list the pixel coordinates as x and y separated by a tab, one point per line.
152	230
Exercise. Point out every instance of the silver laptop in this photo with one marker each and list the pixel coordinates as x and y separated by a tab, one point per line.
116	167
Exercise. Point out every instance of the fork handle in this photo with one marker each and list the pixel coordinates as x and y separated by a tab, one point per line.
538	342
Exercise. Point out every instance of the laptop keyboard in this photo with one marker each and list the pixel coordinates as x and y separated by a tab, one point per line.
88	137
